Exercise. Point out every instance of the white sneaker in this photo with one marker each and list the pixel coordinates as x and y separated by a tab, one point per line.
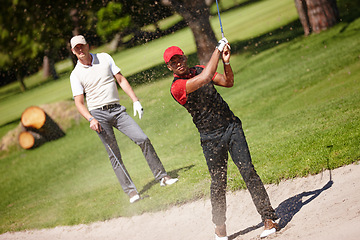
134	198
167	180
220	238
221	229
270	228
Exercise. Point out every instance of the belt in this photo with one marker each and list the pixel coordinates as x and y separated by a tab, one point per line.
109	106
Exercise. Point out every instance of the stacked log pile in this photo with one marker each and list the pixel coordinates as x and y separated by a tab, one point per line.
38	128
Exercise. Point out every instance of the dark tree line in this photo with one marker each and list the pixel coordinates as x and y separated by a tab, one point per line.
33	33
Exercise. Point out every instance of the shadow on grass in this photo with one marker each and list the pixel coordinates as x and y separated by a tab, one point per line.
268	40
173	173
288	208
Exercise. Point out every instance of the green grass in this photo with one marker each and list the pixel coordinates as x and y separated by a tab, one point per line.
296	96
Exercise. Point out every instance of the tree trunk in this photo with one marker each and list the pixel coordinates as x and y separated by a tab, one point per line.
303	16
20	79
115	42
38	123
317	15
74	15
49	66
204	36
196	14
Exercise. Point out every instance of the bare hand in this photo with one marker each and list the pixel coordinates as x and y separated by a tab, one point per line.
95	125
226	53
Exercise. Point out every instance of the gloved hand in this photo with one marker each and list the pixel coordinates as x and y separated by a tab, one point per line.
221	44
138	108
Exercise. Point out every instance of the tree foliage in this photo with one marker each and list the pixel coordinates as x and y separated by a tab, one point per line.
111	20
21	36
29	30
144	12
32	31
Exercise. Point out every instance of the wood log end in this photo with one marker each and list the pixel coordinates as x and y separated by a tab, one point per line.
29	139
33	117
26	140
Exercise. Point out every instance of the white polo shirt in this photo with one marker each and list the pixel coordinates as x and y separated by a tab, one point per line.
97	81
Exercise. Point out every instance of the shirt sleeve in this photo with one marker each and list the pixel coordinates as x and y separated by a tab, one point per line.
178	90
114	69
214	76
76	87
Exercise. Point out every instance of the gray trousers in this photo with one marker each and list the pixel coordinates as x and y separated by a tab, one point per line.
118	118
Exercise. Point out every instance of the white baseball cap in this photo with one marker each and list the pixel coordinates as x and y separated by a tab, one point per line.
79	39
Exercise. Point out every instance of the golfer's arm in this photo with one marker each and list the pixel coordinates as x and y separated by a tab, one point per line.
226	79
80	105
125	86
206	75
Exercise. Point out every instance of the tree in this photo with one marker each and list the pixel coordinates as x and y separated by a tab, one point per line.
31	32
18	39
196	14
125	17
111	21
317	15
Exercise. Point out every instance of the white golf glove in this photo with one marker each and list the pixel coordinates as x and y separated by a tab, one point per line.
138	109
221	44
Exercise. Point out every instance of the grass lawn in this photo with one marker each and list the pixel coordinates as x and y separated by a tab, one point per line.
298	98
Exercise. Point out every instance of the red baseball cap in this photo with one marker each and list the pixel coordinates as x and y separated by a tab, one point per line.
172	51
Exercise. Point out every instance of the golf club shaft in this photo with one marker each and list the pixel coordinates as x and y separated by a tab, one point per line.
112	152
221	28
104	134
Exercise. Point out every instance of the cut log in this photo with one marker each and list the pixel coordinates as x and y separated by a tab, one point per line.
29	140
33	117
35	120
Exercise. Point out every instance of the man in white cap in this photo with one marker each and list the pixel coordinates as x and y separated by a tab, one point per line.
95	77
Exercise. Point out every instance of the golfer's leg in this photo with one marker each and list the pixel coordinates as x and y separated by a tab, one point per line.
130	128
216	159
107	137
240	154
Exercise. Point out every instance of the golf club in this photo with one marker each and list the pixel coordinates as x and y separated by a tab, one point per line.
117	160
221	28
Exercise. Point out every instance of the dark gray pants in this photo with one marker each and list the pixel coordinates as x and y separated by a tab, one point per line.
216	146
118	118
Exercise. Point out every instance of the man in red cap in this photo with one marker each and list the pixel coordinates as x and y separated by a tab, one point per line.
95	76
220	131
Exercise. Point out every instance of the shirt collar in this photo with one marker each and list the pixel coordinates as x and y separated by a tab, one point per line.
87	66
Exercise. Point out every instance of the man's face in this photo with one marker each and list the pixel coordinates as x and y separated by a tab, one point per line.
81	50
178	64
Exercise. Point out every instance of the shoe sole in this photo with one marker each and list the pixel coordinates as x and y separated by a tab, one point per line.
220	238
266	233
134	199
168	182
